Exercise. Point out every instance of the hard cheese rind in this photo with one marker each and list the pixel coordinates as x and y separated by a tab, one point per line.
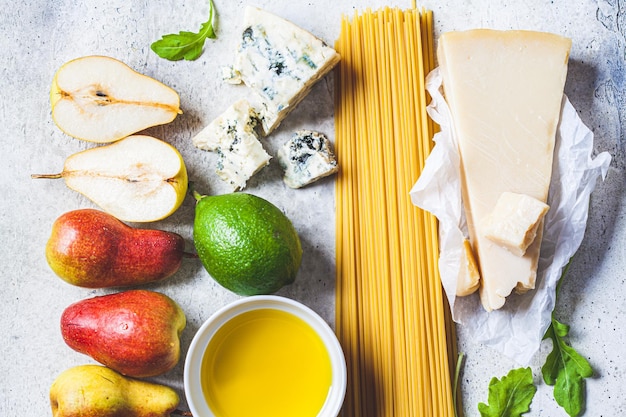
280	62
232	136
504	90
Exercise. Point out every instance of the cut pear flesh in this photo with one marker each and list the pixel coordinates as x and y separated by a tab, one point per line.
137	179
100	99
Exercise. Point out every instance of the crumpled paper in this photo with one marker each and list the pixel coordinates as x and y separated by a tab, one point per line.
517	329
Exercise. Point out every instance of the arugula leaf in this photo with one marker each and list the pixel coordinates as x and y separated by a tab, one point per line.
566	369
185	45
511	396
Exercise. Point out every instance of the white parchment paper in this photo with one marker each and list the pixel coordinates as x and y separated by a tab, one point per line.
516	330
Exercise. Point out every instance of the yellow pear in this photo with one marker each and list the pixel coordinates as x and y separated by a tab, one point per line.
137	179
97	391
100	99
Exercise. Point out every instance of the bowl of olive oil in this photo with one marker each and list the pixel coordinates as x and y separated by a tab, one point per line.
262	356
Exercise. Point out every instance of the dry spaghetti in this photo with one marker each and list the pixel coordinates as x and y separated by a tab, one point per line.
392	318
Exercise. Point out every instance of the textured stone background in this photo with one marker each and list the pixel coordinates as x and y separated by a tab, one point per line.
37	37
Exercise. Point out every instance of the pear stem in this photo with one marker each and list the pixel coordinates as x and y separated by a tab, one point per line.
47	176
197	195
192	190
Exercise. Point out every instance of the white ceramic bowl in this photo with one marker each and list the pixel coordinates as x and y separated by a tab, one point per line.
192	379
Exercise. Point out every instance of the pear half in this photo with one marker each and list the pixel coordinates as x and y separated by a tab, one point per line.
100	99
137	179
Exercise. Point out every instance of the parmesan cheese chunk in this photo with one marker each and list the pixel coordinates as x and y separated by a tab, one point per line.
514	221
504	90
469	277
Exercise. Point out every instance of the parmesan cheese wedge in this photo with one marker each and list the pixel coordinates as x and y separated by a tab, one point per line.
504	90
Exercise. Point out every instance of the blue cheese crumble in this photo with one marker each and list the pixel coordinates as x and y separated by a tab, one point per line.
232	136
280	62
306	158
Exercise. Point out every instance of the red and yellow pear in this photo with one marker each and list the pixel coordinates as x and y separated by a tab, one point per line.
135	332
92	249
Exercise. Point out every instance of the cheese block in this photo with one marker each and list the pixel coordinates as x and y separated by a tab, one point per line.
514	221
232	136
504	90
306	158
468	280
280	62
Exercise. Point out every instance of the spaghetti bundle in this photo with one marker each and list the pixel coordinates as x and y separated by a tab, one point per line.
392	317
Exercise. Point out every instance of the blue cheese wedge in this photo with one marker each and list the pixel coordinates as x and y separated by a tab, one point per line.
280	62
306	158
232	136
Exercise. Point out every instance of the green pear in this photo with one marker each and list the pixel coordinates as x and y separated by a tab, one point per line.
136	179
97	391
100	99
92	249
135	332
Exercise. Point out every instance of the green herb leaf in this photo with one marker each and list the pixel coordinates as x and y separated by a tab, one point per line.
185	45
511	396
566	369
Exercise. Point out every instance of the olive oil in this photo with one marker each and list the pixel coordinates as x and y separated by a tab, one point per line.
266	362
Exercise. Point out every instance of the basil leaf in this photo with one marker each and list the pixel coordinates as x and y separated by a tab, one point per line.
185	45
511	396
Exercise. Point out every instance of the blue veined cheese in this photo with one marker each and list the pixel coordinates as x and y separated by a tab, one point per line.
306	157
230	75
232	136
280	62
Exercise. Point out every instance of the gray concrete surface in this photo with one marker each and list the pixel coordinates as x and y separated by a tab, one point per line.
37	37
